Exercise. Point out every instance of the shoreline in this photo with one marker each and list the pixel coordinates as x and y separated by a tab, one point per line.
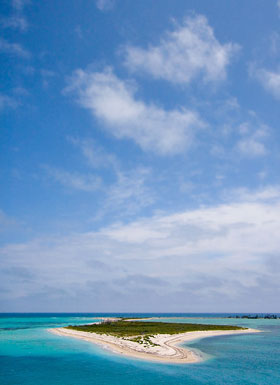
166	347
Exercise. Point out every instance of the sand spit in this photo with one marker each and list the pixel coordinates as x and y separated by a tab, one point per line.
164	349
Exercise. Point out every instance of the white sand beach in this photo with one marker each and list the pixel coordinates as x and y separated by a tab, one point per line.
165	349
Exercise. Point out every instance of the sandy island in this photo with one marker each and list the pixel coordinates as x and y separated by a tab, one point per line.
166	347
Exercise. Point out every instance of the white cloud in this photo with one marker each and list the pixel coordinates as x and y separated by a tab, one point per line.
13	49
130	193
105	5
218	230
274	43
242	134
113	102
270	80
75	181
46	75
269	194
224	252
95	155
125	194
124	191
18	5
252	145
17	19
7	102
5	221
190	51
16	22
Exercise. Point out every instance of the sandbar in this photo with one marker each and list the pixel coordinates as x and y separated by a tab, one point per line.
165	347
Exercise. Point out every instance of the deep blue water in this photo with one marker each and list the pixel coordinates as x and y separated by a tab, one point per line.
29	354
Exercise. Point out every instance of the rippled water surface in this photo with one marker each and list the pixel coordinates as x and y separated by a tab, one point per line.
30	354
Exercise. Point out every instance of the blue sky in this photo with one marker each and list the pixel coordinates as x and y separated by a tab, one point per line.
140	155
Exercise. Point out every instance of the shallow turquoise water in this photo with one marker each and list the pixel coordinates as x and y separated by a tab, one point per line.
29	354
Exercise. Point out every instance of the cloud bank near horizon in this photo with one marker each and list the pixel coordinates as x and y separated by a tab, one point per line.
226	251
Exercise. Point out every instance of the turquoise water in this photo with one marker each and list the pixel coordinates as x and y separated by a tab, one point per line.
29	354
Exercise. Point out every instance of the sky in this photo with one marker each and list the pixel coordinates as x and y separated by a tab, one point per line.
140	153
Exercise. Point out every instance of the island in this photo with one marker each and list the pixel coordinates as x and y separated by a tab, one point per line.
256	316
157	341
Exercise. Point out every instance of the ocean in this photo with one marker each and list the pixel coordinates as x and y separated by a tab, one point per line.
30	354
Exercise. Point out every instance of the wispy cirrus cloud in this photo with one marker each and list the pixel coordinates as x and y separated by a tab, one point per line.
188	52
47	76
7	102
15	22
72	180
95	155
17	19
113	102
18	5
124	192
105	5
6	221
13	49
131	192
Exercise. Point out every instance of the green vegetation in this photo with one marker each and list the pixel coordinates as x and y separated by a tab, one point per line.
137	328
144	340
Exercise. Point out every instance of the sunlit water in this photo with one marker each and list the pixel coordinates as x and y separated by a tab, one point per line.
30	354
